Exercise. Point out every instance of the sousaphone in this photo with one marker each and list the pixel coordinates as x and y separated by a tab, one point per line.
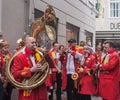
44	30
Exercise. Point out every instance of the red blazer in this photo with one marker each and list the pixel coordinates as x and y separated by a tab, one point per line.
51	77
52	74
108	82
63	59
21	70
119	69
52	54
87	82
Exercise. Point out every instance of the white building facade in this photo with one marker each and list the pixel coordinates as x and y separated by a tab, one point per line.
76	19
108	22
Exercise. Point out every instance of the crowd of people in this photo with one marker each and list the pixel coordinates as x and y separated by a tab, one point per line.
76	69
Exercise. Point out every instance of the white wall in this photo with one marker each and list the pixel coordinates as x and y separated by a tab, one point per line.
13	21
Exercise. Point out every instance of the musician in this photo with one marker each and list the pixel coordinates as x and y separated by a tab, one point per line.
24	65
6	57
87	86
109	68
59	74
81	47
20	44
98	54
54	54
70	65
1	77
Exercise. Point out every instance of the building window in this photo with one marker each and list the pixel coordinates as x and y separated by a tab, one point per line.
100	8
89	38
72	31
115	8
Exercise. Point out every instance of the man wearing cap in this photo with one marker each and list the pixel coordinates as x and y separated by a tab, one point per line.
70	65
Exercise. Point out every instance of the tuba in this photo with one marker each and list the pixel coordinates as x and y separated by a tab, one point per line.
37	78
44	31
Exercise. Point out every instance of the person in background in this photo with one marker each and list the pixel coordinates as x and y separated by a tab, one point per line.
23	67
51	79
1	76
98	53
82	43
81	47
21	44
6	57
109	69
87	81
59	74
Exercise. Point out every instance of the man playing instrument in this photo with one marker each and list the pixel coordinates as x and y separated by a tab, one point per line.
70	66
87	86
109	69
54	54
24	65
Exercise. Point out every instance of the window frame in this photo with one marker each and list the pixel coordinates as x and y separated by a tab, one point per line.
116	9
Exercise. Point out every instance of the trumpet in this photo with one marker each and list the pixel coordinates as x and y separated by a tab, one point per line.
67	50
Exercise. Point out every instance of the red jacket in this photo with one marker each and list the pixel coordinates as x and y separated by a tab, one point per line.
52	54
119	69
87	82
108	81
63	59
21	70
52	74
51	77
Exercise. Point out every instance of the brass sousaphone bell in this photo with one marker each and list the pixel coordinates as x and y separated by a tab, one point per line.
43	27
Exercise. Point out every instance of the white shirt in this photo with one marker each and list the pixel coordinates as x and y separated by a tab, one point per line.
70	62
59	62
32	58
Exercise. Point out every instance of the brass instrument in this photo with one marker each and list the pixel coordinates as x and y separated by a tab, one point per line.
77	77
44	26
36	80
5	81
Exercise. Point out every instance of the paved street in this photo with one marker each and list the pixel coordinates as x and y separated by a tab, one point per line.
15	92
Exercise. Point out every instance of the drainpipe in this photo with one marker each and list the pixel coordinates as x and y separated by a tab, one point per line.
26	16
31	12
0	16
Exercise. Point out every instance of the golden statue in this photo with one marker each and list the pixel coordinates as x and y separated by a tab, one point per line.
44	28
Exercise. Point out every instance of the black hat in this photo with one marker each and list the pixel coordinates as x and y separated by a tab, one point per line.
72	40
